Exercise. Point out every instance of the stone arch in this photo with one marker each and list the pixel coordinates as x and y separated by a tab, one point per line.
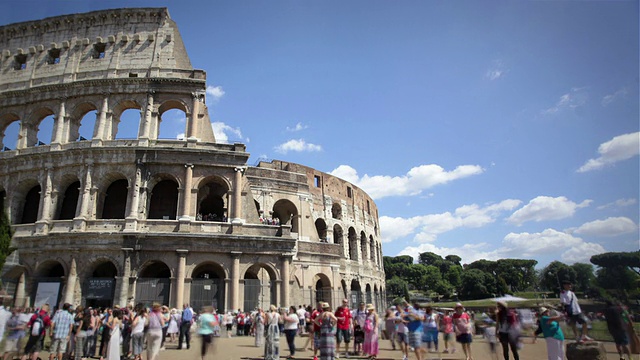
154	283
213	199
51	269
287	213
337	234
353	244
6	121
345	289
372	249
336	211
68	197
99	286
259	286
207	286
77	116
31	126
31	205
113	201
163	200
47	283
368	294
363	246
167	112
356	294
322	288
321	229
119	109
18	199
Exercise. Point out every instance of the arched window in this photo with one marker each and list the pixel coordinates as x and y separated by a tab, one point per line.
31	206
70	202
115	201
336	211
164	200
321	228
212	200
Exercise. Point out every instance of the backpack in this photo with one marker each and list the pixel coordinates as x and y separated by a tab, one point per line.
37	327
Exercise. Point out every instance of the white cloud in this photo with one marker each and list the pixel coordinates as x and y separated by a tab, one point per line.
216	92
582	253
544	208
496	71
546	242
297	145
413	183
619	148
608	99
427	227
468	252
612	226
571	100
298	127
619	203
222	131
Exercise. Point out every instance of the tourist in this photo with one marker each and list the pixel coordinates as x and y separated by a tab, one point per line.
259	328
462	327
309	328
206	323
61	326
359	315
113	348
37	325
430	327
446	324
272	341
228	322
154	332
137	332
92	334
617	328
413	318
508	330
390	326
166	315
15	332
327	322
4	317
240	323
301	316
371	324
105	332
552	334
173	329
401	334
345	326
82	321
291	323
315	314
127	317
573	312
185	327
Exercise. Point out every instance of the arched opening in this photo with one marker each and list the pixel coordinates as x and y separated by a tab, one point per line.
3	195
212	200
172	122
85	127
356	294
48	283
337	234
207	287
259	288
115	200
321	228
363	245
353	244
372	249
100	286
70	202
336	211
322	288
154	284
45	131
164	200
31	206
127	124
345	289
287	213
368	294
9	131
257	204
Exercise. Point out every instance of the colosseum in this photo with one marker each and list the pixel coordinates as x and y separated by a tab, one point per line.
102	220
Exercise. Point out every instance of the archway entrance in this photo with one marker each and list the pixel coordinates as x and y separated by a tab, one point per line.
48	283
259	288
154	284
322	289
100	287
356	294
207	287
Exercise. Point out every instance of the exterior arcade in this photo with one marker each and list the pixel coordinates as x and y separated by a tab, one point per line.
107	221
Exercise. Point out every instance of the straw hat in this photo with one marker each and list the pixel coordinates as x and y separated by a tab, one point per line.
325	305
370	307
543	310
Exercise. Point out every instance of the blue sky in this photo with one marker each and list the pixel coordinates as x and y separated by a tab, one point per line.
485	129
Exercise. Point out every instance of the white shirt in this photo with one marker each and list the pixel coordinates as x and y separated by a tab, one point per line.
291	325
566	297
301	313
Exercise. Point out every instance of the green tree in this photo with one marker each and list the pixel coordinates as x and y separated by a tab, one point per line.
5	238
630	260
397	287
429	258
455	259
453	276
584	276
477	284
552	275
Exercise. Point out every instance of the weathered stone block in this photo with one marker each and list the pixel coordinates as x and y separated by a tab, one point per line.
586	351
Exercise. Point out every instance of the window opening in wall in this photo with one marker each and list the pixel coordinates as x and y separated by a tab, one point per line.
53	57
368	208
45	130
99	50
316	181
10	138
20	62
349	194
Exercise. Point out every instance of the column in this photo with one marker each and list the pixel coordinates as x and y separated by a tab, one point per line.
132	217
59	125
193	124
186	193
284	296
235	279
182	267
70	287
101	121
85	200
42	224
20	292
146	119
123	295
236	218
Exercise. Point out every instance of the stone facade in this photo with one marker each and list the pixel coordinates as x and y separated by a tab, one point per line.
108	221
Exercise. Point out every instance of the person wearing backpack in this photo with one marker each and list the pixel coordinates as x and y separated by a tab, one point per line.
37	327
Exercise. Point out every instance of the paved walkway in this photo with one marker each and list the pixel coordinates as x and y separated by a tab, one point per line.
236	348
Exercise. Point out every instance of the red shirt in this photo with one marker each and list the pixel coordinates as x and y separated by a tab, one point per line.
46	321
461	323
314	315
343	313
